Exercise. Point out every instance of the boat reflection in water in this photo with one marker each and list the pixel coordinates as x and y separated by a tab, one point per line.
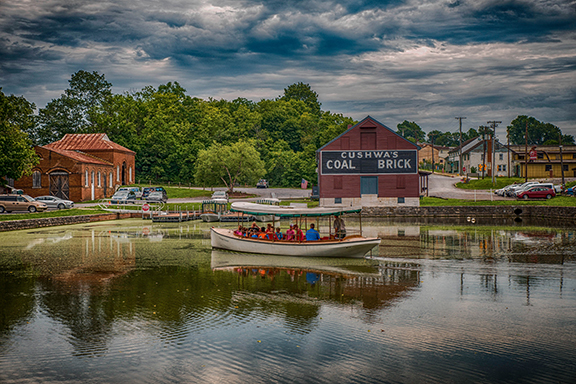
374	283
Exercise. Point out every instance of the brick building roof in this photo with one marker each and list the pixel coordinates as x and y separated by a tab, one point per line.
87	142
78	156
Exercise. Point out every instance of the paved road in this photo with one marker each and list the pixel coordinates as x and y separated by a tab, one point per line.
444	187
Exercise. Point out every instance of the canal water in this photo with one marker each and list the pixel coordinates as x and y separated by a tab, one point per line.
135	302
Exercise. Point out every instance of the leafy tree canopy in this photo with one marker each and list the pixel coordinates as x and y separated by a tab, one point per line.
17	158
303	92
539	133
411	131
229	164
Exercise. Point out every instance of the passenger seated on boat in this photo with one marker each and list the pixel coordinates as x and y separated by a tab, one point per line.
270	232
238	231
290	233
278	234
312	234
298	233
263	234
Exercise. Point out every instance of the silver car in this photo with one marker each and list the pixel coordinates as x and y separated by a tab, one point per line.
55	202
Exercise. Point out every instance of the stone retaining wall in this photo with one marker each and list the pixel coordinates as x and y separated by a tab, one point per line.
525	211
567	214
12	225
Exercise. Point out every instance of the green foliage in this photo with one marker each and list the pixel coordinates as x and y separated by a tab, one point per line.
229	164
75	110
17	158
411	131
539	133
303	92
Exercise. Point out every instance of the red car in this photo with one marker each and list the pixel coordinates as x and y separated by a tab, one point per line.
537	192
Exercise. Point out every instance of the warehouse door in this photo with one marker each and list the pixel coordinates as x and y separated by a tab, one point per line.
369	185
60	185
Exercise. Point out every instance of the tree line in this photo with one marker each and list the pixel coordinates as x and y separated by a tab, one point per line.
180	138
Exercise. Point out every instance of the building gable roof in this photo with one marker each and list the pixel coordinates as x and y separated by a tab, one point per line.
362	122
87	142
78	156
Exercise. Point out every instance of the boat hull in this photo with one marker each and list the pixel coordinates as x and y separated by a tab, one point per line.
357	247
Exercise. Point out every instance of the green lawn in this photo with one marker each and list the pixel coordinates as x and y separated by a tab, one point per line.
60	213
179	192
501	182
560	201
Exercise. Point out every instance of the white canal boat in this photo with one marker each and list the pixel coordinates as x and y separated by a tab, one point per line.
355	246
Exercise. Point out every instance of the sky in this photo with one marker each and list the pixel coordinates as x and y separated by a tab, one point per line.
396	60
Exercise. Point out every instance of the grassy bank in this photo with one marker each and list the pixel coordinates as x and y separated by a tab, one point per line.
501	182
560	201
60	213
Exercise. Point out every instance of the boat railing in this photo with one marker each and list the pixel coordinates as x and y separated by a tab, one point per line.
129	206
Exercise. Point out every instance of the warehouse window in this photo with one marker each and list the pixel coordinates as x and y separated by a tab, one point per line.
36	179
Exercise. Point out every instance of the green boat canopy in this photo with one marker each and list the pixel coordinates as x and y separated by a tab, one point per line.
289	211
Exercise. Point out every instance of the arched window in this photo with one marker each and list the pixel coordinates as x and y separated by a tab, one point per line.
36	179
99	180
111	180
117	173
130	174
92	178
86	178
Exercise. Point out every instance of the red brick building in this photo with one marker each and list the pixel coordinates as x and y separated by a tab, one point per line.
80	167
368	165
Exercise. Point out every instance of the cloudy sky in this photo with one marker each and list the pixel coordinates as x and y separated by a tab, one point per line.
416	60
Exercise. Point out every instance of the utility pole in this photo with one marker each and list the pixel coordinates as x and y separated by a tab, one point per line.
508	146
432	137
561	160
460	162
483	130
526	153
494	125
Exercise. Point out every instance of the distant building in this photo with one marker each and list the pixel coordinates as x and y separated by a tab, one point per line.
80	167
544	160
473	161
369	165
439	153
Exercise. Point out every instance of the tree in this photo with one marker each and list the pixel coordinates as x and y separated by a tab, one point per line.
411	131
17	158
229	164
73	111
538	132
303	92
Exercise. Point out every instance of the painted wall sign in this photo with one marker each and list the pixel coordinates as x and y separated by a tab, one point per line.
368	162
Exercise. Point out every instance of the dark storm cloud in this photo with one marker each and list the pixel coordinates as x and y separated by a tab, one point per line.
446	55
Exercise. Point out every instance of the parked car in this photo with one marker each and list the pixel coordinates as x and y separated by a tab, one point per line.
511	192
159	196
123	197
262	183
15	202
537	192
146	191
220	195
55	202
136	190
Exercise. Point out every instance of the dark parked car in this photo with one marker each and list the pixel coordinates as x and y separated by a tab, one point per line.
160	196
146	191
123	197
537	192
262	183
